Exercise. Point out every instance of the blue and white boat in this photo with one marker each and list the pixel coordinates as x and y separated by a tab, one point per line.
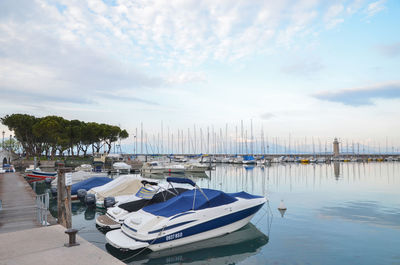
41	175
156	193
192	216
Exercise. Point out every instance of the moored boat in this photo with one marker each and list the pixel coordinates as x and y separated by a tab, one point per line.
192	216
42	175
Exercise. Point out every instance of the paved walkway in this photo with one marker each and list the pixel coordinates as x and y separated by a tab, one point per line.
18	203
45	245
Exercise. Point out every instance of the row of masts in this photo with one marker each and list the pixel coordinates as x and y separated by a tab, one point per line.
233	140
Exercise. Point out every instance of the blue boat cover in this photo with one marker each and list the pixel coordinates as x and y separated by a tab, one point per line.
244	195
89	183
181	180
248	158
184	202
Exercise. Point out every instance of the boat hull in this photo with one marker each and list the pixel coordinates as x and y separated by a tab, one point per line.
42	175
210	228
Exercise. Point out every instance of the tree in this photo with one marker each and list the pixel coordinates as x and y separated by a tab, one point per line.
22	125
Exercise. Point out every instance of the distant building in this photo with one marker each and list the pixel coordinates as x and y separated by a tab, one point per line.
335	147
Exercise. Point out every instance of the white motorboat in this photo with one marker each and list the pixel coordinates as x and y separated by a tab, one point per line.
153	167
174	168
227	249
122	167
195	167
84	167
116	215
31	168
192	216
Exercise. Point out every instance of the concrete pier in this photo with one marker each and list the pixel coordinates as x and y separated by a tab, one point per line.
45	245
18	203
24	241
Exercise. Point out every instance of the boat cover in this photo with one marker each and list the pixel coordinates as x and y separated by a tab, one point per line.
89	183
123	185
244	195
184	202
181	180
162	196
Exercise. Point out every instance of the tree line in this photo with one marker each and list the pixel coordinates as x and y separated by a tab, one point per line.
51	134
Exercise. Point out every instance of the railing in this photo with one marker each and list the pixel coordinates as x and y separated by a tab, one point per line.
42	206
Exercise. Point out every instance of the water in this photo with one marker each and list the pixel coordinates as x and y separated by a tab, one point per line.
346	213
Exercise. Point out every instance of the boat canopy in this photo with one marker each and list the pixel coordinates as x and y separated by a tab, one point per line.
89	183
182	180
184	202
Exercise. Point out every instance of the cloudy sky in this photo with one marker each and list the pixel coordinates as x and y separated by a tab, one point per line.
300	67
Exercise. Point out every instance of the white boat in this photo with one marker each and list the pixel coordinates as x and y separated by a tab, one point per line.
153	167
122	167
31	168
116	215
174	168
84	167
192	216
231	248
195	167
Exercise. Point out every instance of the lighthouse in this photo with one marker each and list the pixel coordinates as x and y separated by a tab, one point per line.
335	148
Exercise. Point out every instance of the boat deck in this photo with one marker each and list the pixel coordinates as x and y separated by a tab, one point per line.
18	210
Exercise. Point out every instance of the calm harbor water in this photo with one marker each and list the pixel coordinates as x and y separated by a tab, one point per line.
347	213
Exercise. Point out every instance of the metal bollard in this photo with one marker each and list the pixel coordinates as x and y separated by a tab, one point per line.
72	237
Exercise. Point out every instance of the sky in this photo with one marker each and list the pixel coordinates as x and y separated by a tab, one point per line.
301	67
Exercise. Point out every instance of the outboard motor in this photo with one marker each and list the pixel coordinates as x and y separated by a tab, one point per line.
48	180
81	193
109	202
90	200
53	191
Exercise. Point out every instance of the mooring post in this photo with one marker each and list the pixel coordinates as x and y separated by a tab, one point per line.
63	199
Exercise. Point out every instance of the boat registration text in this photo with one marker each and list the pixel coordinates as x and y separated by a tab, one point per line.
174	236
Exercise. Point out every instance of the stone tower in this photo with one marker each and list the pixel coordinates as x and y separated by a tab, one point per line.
335	148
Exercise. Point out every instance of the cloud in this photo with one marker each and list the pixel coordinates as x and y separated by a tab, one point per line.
53	70
304	66
187	77
390	50
267	116
375	7
331	16
362	96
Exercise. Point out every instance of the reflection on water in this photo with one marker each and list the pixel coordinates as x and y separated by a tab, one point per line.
228	249
370	212
336	169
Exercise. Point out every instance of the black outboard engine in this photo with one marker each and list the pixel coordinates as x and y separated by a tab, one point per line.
48	180
81	193
90	200
109	202
53	191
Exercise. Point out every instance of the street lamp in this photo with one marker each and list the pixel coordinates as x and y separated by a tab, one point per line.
2	146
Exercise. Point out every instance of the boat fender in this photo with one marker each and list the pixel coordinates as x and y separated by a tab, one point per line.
81	193
109	202
53	191
90	200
